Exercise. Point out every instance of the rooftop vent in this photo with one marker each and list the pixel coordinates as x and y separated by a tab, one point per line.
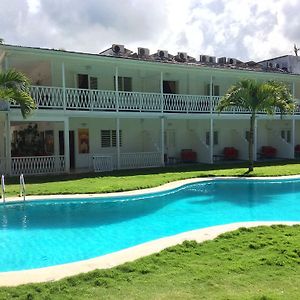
117	49
222	60
143	52
162	53
182	56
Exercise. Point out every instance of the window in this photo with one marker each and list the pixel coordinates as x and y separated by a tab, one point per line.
84	81
169	87
215	137
215	90
109	138
124	84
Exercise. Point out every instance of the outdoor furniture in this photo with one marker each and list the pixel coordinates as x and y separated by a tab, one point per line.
268	152
230	153
188	155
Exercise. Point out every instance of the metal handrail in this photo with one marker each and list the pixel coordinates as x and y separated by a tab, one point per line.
22	187
3	188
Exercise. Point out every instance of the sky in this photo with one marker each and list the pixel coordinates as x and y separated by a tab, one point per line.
242	29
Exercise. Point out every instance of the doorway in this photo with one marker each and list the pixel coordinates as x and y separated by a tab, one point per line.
71	146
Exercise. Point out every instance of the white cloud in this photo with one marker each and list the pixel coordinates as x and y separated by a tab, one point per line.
248	29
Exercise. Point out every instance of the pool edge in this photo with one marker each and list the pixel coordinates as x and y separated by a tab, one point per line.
54	273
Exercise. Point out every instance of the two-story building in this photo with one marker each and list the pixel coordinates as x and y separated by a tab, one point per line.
120	110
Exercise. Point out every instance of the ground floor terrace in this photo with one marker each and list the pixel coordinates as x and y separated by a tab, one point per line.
60	143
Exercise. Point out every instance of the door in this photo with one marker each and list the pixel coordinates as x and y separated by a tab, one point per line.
71	146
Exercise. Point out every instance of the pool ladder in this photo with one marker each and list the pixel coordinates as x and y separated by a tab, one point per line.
3	188
22	187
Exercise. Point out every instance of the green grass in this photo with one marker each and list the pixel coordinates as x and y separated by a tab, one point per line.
138	179
257	263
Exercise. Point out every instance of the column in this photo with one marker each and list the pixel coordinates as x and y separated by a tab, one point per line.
211	141
117	87
8	145
293	138
63	84
162	140
118	143
162	91
255	141
67	145
211	94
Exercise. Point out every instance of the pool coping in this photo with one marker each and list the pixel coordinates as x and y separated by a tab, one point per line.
52	273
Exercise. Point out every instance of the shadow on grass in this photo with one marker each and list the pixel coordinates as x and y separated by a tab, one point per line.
148	171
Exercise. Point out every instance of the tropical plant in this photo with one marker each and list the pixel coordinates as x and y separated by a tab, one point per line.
14	88
256	96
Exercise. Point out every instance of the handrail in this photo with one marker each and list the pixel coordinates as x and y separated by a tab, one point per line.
22	187
3	188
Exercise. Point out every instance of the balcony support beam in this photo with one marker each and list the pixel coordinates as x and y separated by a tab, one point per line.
67	145
118	143
117	88
211	139
63	84
162	140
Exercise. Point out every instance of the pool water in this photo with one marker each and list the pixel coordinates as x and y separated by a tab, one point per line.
46	233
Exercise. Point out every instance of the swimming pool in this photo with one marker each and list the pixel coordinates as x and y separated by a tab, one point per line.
46	233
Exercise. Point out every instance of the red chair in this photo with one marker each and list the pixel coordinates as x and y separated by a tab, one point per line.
268	152
230	153
188	155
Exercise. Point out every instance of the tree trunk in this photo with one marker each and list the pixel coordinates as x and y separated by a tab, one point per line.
251	142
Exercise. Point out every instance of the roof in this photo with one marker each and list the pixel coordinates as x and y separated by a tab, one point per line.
170	59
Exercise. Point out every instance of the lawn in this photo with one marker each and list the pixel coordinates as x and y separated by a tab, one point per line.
255	263
138	179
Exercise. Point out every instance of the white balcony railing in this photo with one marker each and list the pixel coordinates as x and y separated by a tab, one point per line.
102	163
98	100
33	165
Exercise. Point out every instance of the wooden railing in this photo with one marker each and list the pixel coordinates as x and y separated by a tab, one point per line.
33	165
103	100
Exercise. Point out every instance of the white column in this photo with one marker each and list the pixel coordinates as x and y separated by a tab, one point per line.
162	91
8	145
67	145
293	138
211	94
162	140
211	141
255	141
118	143
63	84
117	87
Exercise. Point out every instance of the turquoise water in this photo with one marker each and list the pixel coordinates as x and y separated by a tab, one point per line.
45	233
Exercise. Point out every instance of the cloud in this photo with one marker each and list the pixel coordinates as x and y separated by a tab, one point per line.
248	29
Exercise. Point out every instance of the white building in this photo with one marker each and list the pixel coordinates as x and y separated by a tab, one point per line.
120	109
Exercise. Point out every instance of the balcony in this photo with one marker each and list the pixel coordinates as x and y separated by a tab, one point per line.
105	100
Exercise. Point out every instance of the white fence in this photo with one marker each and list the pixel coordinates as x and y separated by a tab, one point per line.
102	163
140	160
33	165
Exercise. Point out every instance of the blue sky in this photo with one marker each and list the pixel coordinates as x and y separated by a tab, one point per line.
244	29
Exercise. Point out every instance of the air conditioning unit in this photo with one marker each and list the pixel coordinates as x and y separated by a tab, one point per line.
231	61
162	53
212	59
204	58
143	52
222	60
182	55
117	49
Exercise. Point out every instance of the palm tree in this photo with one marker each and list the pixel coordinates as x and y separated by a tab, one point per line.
257	96
14	88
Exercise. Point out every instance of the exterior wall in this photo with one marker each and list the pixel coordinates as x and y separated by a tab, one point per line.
2	135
